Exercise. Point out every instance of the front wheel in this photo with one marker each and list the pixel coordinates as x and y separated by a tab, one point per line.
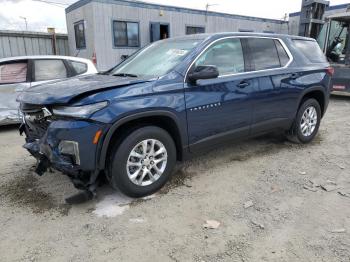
143	162
306	123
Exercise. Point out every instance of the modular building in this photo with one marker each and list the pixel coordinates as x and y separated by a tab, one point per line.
110	30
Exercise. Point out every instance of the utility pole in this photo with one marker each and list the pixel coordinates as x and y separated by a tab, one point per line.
52	31
25	21
207	10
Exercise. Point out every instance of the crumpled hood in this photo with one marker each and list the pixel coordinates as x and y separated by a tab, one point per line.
63	91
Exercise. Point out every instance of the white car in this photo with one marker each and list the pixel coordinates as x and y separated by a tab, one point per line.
19	73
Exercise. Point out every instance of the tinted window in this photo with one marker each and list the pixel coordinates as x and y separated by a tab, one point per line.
284	58
79	31
311	50
13	73
126	34
49	70
80	68
191	30
263	53
226	55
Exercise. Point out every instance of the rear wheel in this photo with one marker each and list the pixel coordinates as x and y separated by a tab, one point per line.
143	162
306	123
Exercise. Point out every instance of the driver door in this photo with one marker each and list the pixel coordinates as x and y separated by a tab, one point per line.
219	109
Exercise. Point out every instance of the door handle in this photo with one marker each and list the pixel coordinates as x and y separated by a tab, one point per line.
243	84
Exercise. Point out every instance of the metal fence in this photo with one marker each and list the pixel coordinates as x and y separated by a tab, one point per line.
18	43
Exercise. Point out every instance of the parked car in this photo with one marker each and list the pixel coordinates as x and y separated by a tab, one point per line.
172	99
20	73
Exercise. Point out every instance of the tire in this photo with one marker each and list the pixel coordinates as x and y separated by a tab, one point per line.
126	169
304	129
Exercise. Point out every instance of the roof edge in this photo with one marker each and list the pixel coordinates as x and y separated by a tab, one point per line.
81	3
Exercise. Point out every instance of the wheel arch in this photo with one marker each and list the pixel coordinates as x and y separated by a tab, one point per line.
163	119
317	93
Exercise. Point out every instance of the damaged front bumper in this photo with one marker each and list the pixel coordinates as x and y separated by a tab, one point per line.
68	146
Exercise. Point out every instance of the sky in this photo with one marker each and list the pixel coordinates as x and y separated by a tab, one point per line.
40	15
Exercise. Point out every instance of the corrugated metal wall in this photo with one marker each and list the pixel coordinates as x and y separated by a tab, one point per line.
14	43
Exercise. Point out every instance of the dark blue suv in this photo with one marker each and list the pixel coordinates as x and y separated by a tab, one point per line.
172	99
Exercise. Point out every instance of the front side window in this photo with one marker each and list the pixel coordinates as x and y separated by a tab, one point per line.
12	73
157	59
263	53
226	55
49	69
191	30
126	34
79	32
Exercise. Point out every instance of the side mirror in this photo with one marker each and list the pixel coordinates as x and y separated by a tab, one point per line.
203	72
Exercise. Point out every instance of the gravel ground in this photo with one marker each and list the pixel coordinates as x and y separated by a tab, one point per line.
266	194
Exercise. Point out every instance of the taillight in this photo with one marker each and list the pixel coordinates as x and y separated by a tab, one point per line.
330	71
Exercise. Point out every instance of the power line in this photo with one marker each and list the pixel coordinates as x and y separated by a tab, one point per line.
58	4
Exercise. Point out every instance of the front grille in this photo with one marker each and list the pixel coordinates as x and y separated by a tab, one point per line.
36	120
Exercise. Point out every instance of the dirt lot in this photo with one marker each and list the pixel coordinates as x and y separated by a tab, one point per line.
291	218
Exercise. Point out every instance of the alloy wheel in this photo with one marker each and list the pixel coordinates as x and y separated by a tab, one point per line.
147	162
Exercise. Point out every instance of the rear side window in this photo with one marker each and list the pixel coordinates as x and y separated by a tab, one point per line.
284	58
311	50
263	53
80	68
49	69
13	73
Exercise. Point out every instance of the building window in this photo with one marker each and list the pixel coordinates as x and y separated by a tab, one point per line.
191	30
126	34
79	30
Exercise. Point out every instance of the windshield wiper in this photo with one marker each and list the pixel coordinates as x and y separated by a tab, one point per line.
125	75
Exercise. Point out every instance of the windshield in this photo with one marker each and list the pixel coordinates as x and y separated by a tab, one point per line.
157	59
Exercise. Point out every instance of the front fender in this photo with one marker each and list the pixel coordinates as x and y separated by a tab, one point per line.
152	113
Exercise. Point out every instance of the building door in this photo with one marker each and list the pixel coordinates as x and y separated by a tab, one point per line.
159	31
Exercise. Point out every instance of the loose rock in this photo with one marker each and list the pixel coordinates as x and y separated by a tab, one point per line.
211	224
248	204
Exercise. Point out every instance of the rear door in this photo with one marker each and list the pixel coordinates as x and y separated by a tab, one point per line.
219	109
44	70
274	100
13	78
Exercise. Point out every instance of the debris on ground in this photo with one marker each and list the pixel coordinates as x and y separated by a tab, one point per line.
248	204
310	188
329	187
344	194
211	224
339	230
261	226
303	173
136	220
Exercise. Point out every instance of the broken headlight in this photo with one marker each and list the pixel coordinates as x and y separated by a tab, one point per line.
84	111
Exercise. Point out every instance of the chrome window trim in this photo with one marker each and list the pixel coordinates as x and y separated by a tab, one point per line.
291	58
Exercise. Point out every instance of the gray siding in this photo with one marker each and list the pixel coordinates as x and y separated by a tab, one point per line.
98	16
14	43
